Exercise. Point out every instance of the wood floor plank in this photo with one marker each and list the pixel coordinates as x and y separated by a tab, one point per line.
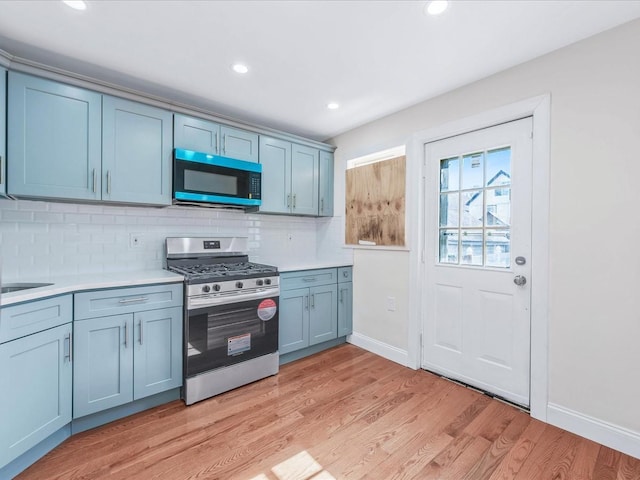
343	414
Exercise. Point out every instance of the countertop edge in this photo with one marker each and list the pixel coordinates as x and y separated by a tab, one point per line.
81	283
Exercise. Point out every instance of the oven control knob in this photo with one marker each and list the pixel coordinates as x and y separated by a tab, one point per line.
267	281
206	289
216	287
259	283
239	285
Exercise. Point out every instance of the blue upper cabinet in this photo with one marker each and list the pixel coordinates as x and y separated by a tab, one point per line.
325	208
54	135
275	157
136	152
239	144
304	180
289	177
195	134
3	132
209	137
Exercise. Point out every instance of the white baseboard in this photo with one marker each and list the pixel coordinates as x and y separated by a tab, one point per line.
613	436
380	348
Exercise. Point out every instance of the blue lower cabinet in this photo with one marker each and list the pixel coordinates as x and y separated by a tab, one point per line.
122	358
36	378
345	309
323	314
103	373
315	310
157	364
294	320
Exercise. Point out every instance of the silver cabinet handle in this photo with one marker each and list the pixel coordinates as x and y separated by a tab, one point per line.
322	205
310	279
294	200
224	143
289	201
140	332
131	300
306	302
342	295
126	335
313	300
108	182
520	280
69	339
215	146
95	181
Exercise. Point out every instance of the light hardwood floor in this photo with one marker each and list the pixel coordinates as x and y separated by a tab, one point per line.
342	414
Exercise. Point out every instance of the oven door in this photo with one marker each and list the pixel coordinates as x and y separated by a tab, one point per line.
222	335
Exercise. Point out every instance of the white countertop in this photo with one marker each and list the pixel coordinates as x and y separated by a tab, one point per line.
77	283
289	266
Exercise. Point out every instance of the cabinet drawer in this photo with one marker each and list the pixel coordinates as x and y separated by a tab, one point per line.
27	318
116	301
345	274
308	278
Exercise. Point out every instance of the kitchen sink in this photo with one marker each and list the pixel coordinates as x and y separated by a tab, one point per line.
16	287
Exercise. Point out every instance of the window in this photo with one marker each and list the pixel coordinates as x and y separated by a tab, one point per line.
475	209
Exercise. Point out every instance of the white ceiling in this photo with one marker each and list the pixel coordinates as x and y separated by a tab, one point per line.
373	57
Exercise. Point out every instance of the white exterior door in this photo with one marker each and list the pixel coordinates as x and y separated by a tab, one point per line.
476	326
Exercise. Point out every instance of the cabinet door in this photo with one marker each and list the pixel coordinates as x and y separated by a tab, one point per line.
345	309
294	320
275	157
54	139
36	376
239	144
157	361
304	180
3	132
195	134
323	317
325	208
103	354
136	153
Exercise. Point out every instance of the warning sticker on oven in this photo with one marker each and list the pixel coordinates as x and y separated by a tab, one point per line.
238	344
267	309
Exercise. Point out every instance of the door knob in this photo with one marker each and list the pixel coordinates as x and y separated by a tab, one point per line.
520	280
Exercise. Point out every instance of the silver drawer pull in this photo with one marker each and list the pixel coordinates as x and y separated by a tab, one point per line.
126	335
140	332
132	300
310	279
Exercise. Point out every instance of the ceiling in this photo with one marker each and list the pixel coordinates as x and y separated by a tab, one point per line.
372	57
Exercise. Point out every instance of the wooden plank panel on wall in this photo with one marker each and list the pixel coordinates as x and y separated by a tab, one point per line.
375	203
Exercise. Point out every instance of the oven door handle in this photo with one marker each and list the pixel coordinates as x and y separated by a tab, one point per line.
202	301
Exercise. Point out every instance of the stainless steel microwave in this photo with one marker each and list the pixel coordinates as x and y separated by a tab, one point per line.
211	179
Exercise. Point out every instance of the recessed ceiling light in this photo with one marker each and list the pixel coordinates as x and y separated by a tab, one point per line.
76	4
436	7
333	106
240	68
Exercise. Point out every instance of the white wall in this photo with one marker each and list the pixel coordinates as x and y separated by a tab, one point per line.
45	238
594	324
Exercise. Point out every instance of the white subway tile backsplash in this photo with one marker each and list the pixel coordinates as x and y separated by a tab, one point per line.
96	238
17	216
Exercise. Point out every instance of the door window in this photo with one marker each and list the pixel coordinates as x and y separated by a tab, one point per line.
475	209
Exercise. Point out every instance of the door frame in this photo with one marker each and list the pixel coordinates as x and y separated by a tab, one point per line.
540	109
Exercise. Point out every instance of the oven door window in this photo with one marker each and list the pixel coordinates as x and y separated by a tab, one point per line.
226	334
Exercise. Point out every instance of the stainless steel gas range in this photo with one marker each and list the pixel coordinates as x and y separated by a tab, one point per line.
231	314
